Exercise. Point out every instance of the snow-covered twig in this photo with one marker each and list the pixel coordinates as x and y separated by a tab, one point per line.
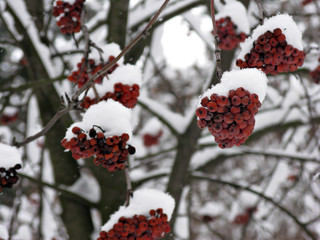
216	42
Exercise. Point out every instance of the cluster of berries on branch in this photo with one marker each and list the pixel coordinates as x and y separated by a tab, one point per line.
272	54
8	177
315	74
139	227
230	119
306	2
150	139
227	32
69	15
110	152
80	76
125	94
6	118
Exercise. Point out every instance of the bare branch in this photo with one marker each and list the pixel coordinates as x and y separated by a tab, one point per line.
262	13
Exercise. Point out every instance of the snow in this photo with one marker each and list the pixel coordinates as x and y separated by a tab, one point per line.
71	2
111	49
238	14
126	74
282	21
87	187
3	232
251	79
111	116
152	127
142	202
10	156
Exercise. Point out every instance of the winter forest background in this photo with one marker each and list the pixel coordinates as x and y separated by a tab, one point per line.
267	188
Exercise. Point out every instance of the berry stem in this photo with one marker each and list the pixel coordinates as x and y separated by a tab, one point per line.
142	34
261	11
129	186
217	51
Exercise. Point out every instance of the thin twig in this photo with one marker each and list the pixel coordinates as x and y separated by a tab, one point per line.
268	199
122	53
129	186
43	131
262	13
217	50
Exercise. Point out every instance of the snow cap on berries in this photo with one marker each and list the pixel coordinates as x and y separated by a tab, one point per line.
127	74
141	203
251	79
284	22
109	115
238	14
9	156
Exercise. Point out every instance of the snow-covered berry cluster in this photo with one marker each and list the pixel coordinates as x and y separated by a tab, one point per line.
8	177
8	118
272	54
228	109
230	119
315	75
228	35
125	94
123	86
80	76
68	14
110	152
274	47
104	133
139	227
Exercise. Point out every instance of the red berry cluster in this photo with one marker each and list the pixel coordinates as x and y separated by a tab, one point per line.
111	152
244	218
8	177
229	39
272	54
305	2
80	76
69	22
6	119
125	94
229	119
150	140
139	227
315	75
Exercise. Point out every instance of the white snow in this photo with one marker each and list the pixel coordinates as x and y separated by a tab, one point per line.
111	49
152	127
71	2
142	202
238	14
282	21
10	111
3	232
10	156
126	74
251	79
111	116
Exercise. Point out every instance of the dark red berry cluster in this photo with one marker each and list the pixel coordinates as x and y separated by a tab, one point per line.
125	94
272	54
244	218
80	76
8	177
305	2
227	32
139	227
6	119
229	119
111	152
315	75
69	16
150	140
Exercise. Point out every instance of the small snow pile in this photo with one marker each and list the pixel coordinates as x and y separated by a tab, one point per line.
152	127
284	22
9	156
109	116
142	202
3	233
238	14
126	74
251	79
